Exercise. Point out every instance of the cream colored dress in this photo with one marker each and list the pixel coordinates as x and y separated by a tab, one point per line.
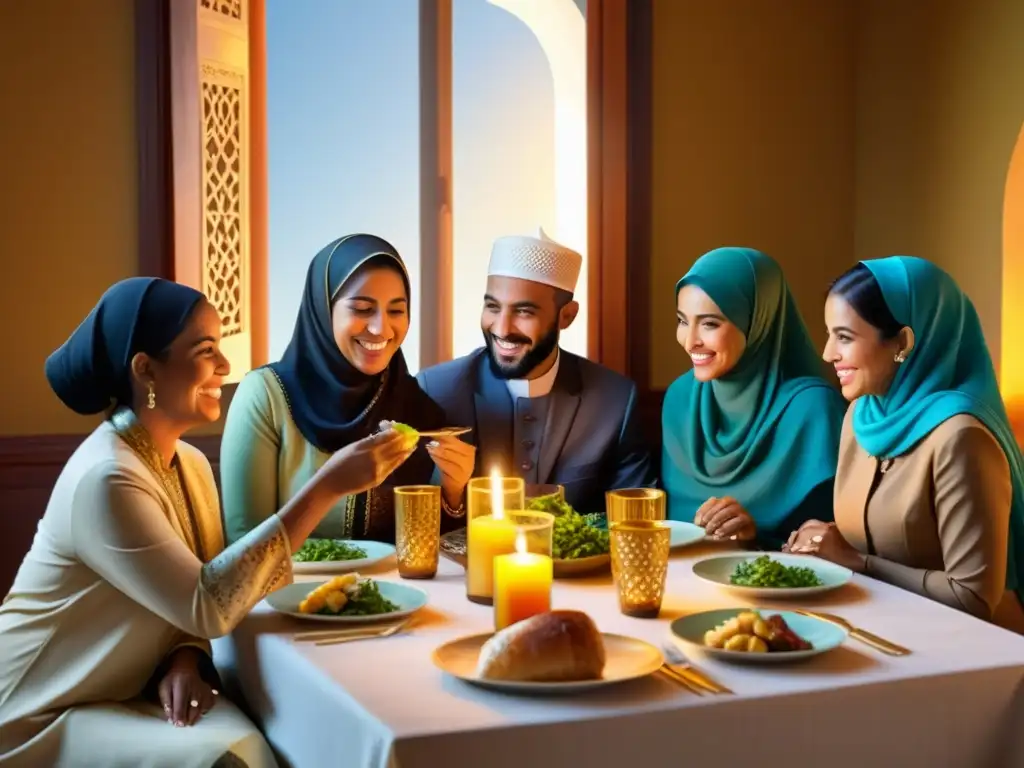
111	586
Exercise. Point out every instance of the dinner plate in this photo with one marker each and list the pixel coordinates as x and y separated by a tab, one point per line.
376	551
822	635
626	659
581	566
683	534
718	570
408	599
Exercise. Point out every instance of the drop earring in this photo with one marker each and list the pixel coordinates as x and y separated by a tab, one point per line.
151	396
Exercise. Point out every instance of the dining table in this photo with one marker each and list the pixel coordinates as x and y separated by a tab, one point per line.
956	701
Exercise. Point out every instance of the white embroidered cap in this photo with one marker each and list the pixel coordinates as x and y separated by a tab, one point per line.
539	259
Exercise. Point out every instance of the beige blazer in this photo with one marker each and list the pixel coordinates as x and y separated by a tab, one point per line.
936	520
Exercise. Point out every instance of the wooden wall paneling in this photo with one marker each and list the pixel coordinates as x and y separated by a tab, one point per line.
619	104
153	124
29	467
639	193
606	181
259	188
436	296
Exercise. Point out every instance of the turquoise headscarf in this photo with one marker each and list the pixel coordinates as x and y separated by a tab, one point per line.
738	435
948	372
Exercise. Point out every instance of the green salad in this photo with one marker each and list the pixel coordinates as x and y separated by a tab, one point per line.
573	536
324	550
365	600
765	572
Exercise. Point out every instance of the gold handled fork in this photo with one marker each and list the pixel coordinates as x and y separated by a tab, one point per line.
868	638
681	666
365	636
678	679
360	632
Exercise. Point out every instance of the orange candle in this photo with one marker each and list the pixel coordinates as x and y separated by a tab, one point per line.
522	585
488	537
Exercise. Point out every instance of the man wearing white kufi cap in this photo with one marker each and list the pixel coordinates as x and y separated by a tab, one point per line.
538	411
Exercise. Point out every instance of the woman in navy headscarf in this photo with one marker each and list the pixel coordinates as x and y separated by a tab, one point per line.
105	633
341	376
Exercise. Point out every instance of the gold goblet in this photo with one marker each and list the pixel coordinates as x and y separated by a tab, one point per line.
640	565
417	530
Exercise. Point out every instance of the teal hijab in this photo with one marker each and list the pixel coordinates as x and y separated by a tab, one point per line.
766	433
948	372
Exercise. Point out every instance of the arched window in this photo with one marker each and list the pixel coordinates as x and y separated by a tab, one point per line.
1011	357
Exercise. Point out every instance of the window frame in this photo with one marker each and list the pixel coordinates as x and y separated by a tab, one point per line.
619	138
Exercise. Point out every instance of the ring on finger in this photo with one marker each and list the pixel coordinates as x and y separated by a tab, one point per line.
816	539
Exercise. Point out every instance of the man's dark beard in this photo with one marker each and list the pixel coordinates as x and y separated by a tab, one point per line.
534	357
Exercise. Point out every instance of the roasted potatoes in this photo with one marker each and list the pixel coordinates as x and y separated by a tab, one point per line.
750	632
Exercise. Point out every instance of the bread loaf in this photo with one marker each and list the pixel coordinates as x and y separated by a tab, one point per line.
559	646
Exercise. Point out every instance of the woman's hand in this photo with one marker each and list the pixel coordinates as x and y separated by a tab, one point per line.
725	518
184	694
829	544
455	460
366	463
803	535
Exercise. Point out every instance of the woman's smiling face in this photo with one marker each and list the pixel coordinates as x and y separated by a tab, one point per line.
865	363
370	317
714	344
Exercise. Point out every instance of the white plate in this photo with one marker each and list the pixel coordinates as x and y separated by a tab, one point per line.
822	635
626	659
683	534
408	599
718	570
376	551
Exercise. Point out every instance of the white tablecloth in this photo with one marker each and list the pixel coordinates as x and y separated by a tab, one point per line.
958	701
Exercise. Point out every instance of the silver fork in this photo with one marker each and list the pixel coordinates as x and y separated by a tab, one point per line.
679	664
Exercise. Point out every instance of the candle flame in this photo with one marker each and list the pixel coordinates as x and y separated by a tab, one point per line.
497	495
521	543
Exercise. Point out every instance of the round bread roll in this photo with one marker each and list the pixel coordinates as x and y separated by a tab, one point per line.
559	646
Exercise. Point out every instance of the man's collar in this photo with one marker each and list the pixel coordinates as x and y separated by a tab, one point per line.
538	387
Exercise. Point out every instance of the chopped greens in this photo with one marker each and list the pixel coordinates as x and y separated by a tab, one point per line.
327	550
765	572
573	536
366	600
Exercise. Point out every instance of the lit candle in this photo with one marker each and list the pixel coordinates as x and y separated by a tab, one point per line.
487	536
522	585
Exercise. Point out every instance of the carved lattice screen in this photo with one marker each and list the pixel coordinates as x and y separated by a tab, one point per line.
212	164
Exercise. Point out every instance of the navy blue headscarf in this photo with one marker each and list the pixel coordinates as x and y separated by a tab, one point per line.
329	398
92	369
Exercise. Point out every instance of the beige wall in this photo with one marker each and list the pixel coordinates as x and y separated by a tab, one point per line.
940	102
821	132
830	131
753	145
68	212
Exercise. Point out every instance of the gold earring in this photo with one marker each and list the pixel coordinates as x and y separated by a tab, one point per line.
151	396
